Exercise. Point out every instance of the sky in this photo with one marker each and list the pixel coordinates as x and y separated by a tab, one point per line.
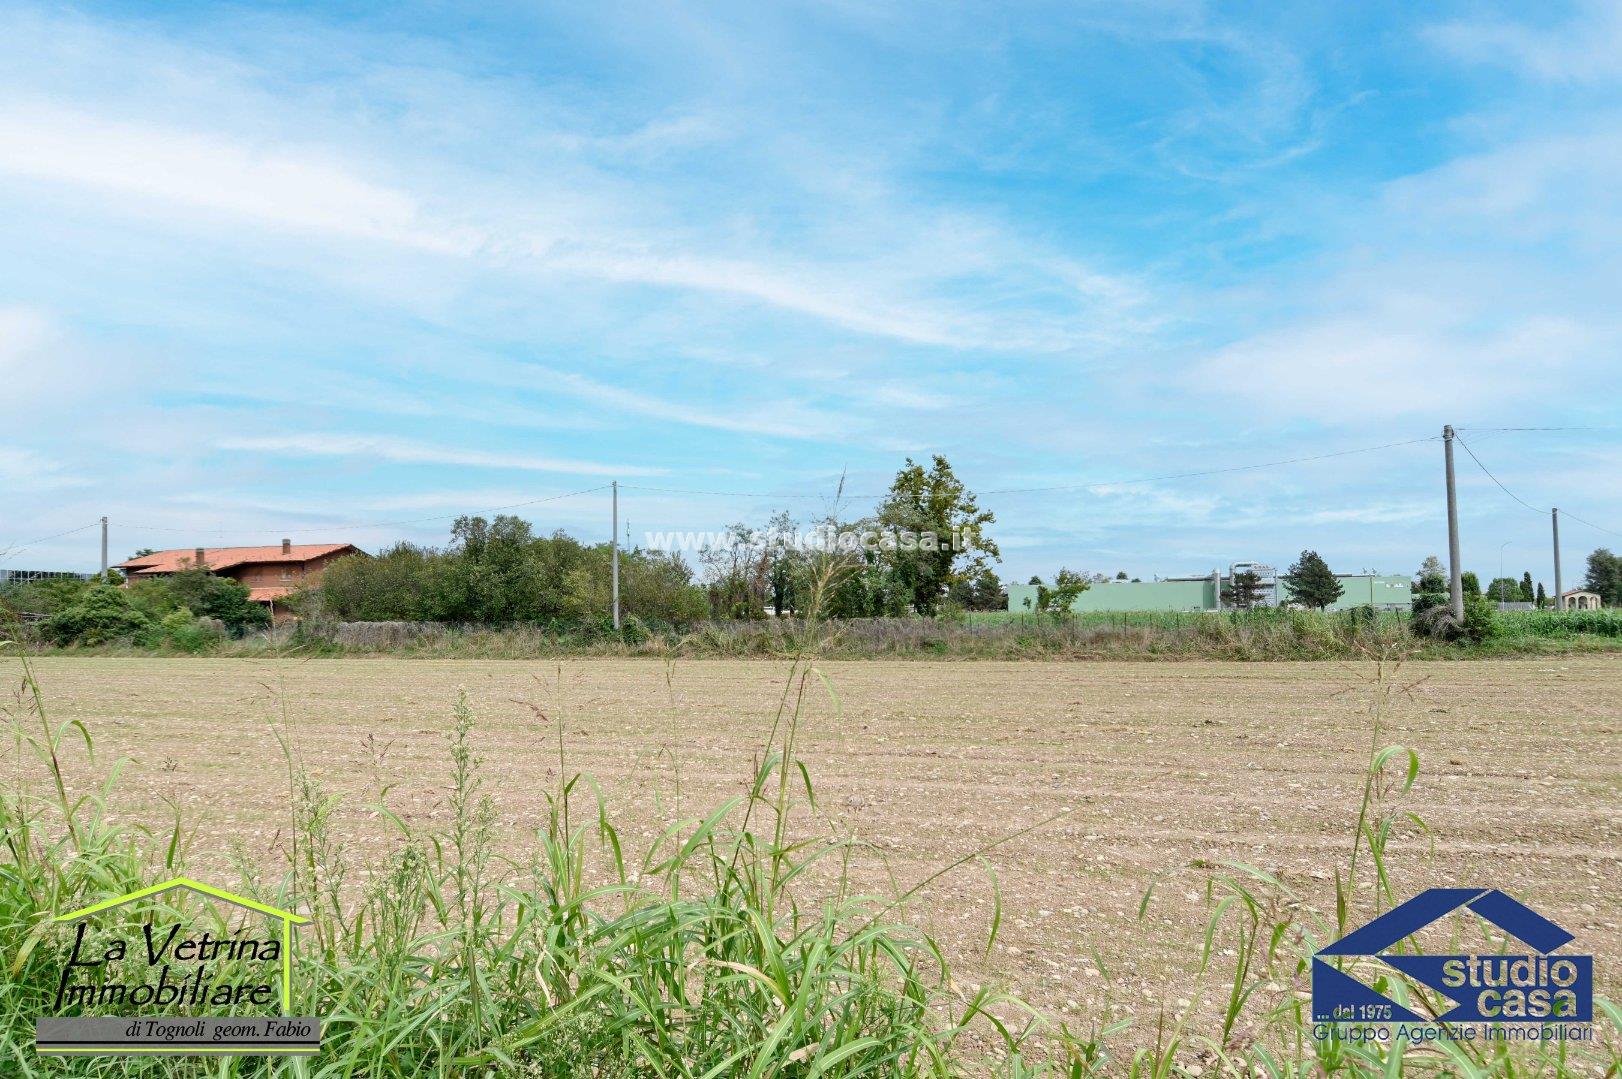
339	273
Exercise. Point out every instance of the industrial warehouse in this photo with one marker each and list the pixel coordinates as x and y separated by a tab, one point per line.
1383	592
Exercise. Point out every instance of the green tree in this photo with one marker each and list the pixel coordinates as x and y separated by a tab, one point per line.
1605	576
737	574
787	566
1526	587
1311	582
1504	590
982	592
101	615
1543	597
1067	585
937	527
499	572
1469	583
1432	576
1243	590
205	595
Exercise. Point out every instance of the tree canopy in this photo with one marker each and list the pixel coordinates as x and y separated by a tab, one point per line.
1311	581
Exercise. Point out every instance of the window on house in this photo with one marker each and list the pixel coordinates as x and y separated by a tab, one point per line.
287	573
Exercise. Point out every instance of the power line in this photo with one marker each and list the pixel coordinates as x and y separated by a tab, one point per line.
1496	480
1457	429
19	549
1541	512
1598	528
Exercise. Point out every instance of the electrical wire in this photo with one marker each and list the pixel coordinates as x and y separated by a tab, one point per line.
1458	429
9	552
1567	514
1590	524
1495	479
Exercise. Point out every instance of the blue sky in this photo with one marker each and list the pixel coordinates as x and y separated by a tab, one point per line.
272	271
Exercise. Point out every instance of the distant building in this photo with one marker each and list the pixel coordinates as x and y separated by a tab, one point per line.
24	576
1579	599
269	572
1381	591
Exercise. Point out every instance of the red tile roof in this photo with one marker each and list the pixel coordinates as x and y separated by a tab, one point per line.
265	595
218	558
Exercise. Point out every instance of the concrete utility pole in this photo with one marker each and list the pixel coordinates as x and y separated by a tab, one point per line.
1559	591
1455	583
616	546
104	547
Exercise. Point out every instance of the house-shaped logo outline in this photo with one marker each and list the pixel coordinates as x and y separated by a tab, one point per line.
1400	922
287	917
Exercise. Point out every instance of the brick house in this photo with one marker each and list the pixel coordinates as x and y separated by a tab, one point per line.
269	572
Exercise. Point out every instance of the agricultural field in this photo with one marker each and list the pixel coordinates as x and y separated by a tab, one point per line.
1141	771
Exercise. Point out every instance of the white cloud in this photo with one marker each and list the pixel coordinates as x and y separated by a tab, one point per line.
1393	359
404	451
24	470
1585	48
211	172
867	257
776	418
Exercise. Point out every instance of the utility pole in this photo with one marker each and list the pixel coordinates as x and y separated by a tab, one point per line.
104	548
1455	583
1559	592
616	556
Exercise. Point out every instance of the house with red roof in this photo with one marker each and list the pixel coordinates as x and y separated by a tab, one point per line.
269	572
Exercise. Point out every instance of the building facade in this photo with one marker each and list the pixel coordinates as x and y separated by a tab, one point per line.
270	573
1383	592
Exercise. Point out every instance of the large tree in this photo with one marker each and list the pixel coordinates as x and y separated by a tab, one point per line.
1312	582
1243	590
937	528
1526	587
1504	590
1067	585
982	592
1605	576
1432	576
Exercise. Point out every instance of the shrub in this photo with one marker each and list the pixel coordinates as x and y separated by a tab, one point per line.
201	593
1480	619
182	630
101	615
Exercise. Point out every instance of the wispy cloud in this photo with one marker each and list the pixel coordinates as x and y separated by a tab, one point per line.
1053	243
403	451
1583	48
22	470
209	172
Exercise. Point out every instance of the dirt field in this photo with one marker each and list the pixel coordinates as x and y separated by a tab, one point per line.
1160	764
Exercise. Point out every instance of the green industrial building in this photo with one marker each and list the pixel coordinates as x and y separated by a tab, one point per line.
1382	592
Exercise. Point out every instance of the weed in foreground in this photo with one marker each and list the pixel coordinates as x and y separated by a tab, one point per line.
1271	931
710	954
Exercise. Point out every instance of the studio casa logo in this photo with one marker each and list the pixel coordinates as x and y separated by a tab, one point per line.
1541	994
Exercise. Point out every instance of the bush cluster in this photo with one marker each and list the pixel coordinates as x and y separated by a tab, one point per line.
189	611
499	572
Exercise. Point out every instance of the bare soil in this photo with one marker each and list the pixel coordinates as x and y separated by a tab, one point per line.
1162	767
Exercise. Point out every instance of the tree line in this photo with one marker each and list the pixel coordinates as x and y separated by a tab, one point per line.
498	571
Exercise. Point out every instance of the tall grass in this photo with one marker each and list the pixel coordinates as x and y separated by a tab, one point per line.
735	944
1229	635
1272	931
